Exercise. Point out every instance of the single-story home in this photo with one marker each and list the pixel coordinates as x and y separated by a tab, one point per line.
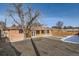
15	33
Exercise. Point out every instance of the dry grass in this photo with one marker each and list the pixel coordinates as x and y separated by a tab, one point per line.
63	33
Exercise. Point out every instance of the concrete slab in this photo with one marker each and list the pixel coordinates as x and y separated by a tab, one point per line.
25	47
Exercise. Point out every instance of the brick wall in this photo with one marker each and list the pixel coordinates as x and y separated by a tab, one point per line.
14	35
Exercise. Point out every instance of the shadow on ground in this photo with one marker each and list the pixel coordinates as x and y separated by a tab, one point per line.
6	49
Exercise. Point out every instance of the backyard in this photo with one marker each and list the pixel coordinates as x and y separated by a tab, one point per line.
46	47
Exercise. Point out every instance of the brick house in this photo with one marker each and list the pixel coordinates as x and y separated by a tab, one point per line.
15	33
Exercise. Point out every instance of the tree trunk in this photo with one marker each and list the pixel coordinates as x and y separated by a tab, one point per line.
24	32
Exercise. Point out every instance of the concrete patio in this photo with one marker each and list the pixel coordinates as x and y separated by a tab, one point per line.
47	47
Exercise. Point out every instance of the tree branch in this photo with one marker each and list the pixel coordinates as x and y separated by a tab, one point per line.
33	18
14	19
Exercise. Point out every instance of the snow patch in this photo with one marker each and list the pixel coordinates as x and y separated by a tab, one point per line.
71	39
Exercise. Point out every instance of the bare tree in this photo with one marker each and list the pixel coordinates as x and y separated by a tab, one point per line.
59	24
22	17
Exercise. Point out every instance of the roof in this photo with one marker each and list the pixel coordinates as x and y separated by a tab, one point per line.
13	27
39	27
34	26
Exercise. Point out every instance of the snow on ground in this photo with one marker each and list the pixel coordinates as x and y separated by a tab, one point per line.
71	39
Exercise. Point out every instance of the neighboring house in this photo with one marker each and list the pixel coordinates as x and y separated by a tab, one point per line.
2	27
15	33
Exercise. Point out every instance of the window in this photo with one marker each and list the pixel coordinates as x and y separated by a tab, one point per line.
20	31
42	31
47	31
37	32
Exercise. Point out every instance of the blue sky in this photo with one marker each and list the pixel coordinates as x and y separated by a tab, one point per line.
50	13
